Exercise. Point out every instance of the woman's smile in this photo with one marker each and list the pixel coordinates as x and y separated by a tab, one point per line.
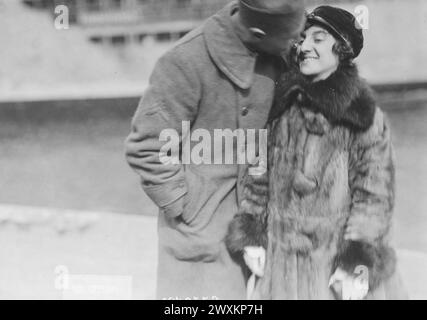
308	59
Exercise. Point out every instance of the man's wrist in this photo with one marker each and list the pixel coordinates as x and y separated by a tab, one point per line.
175	208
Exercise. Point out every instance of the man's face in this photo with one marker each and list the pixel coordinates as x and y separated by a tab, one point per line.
280	43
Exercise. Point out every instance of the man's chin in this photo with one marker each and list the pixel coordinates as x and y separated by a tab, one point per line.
274	51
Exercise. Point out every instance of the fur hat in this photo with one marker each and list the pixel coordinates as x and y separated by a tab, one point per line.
273	16
339	22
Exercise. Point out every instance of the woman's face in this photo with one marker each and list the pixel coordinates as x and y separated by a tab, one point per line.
316	57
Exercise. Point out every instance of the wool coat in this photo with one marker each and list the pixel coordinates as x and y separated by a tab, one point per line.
330	159
212	80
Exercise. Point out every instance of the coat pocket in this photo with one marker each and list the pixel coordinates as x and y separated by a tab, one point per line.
209	206
198	188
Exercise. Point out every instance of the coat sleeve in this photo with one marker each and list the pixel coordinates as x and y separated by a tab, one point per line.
172	97
372	184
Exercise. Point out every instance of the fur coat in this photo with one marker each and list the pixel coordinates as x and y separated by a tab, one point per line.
330	159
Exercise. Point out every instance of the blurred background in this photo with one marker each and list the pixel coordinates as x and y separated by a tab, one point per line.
67	95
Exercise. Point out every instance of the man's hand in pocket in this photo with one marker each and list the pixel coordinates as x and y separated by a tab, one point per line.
174	209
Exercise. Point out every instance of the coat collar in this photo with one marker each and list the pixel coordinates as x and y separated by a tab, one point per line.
343	98
227	51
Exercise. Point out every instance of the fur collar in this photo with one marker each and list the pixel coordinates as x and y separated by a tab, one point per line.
343	98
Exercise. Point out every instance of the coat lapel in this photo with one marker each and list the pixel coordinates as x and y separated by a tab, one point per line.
227	51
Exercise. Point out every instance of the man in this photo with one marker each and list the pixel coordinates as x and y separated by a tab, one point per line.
219	76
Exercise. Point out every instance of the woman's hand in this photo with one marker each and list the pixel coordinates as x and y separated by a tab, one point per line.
255	259
348	286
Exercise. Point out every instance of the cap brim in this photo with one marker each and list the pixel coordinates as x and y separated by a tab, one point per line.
313	19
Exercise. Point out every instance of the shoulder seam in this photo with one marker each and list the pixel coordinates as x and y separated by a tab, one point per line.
183	42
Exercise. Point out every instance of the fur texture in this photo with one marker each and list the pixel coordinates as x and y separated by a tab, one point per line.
254	233
343	98
248	228
330	160
380	260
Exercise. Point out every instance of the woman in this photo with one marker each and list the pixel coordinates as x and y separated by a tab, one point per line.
322	224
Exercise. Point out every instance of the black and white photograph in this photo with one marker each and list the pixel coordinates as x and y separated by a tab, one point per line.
188	150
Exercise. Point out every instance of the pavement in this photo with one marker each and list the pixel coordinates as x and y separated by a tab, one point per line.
102	248
62	254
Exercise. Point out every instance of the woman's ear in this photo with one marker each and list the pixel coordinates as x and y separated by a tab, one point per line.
257	33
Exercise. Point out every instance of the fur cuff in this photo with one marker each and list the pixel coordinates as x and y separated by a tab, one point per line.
380	260
246	230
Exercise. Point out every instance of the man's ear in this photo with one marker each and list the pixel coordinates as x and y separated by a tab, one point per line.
257	32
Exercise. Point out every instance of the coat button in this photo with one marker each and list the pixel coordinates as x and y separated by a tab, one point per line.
245	111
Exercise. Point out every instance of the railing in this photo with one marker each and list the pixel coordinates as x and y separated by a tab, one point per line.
103	11
149	11
174	10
